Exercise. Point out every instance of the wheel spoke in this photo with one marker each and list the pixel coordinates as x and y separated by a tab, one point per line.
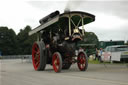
38	52
37	63
58	61
36	47
55	62
34	51
82	66
36	57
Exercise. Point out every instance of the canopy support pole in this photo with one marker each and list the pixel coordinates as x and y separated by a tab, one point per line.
83	26
69	25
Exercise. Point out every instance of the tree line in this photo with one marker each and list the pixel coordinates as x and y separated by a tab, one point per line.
21	43
12	44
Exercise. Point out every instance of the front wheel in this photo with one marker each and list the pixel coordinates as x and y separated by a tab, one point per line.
57	62
82	61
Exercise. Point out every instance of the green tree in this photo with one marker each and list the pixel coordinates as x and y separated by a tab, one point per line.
91	38
90	43
8	43
25	41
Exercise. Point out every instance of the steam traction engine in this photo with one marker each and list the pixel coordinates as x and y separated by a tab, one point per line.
58	36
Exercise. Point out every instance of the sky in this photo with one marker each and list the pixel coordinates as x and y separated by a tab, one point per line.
111	15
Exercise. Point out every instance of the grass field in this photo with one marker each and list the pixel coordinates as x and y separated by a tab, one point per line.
94	61
97	62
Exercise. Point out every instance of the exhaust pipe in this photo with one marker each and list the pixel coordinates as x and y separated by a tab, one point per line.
49	17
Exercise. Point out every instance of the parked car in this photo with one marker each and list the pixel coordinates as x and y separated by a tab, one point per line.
115	53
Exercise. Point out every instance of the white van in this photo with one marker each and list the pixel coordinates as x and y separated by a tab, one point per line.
115	53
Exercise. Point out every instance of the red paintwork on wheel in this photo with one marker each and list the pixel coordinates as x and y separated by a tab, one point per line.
36	56
55	62
81	61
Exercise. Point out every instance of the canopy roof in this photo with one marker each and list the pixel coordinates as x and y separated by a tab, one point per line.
77	15
61	21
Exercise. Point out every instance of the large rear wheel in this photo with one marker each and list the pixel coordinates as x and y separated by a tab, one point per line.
57	62
82	61
38	57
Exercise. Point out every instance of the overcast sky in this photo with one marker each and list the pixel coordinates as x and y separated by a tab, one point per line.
111	15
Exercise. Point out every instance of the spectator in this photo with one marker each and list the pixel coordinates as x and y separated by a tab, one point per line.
100	54
96	54
101	50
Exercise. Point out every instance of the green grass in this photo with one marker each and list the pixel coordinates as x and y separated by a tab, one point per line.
97	62
93	61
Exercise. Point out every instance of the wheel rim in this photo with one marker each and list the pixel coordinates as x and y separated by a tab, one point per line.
56	62
81	61
36	56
